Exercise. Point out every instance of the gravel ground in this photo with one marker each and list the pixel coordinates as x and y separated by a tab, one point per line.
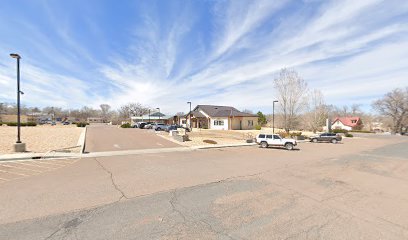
40	138
197	136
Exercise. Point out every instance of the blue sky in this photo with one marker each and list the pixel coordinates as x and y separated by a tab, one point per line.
165	53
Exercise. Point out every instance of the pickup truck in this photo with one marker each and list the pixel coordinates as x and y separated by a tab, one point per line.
266	140
326	137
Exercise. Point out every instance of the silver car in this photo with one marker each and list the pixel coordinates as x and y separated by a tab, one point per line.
158	126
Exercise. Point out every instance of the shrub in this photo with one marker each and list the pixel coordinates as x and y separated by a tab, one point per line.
81	124
348	135
284	134
339	131
14	124
296	134
210	141
126	125
361	131
258	127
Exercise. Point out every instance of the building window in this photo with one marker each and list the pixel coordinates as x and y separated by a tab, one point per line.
353	121
183	121
250	123
218	123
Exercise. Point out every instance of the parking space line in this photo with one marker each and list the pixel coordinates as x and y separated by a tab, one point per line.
14	173
34	165
67	161
22	168
13	170
44	162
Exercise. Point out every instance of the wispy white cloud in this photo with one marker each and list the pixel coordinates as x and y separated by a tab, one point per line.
228	54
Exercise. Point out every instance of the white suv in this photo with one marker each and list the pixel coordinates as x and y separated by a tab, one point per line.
266	140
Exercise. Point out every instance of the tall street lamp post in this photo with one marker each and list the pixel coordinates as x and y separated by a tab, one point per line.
273	116
189	115
159	113
149	115
19	146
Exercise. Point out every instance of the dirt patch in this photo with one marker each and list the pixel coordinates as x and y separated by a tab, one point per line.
40	138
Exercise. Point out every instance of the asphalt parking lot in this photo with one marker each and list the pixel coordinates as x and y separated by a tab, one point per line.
353	190
103	138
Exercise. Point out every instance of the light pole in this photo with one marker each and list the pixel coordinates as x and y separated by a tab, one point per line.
19	147
273	116
189	115
149	115
159	113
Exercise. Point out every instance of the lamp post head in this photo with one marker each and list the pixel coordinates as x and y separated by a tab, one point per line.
188	102
275	101
15	55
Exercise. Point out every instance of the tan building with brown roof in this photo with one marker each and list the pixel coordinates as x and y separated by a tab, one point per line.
220	118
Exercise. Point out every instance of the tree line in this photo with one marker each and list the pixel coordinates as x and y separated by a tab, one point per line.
298	108
105	111
302	108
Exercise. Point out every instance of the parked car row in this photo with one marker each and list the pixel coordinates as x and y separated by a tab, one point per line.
266	140
157	126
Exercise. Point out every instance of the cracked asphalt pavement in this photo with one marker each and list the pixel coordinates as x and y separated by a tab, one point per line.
354	190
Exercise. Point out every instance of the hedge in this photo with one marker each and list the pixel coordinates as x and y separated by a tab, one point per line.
339	131
361	131
126	125
14	124
81	124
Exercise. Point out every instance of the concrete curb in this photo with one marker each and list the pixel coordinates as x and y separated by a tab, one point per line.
57	155
82	138
30	156
135	152
224	145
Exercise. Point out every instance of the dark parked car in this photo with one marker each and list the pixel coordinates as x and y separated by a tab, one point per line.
326	137
141	125
168	128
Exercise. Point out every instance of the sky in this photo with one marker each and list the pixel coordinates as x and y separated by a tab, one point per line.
167	52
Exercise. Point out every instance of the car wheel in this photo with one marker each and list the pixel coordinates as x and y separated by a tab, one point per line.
158	129
289	146
314	140
334	141
264	144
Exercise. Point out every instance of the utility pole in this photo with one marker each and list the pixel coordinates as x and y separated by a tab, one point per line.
273	116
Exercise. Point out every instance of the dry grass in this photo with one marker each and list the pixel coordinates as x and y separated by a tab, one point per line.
41	138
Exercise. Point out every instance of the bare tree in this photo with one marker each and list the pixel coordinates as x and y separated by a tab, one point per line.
395	105
2	108
317	111
344	111
132	109
105	112
356	109
291	90
248	111
87	112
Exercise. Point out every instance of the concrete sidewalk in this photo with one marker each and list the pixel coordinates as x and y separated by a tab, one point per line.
58	155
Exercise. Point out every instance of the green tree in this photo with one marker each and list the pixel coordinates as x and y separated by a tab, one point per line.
261	118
